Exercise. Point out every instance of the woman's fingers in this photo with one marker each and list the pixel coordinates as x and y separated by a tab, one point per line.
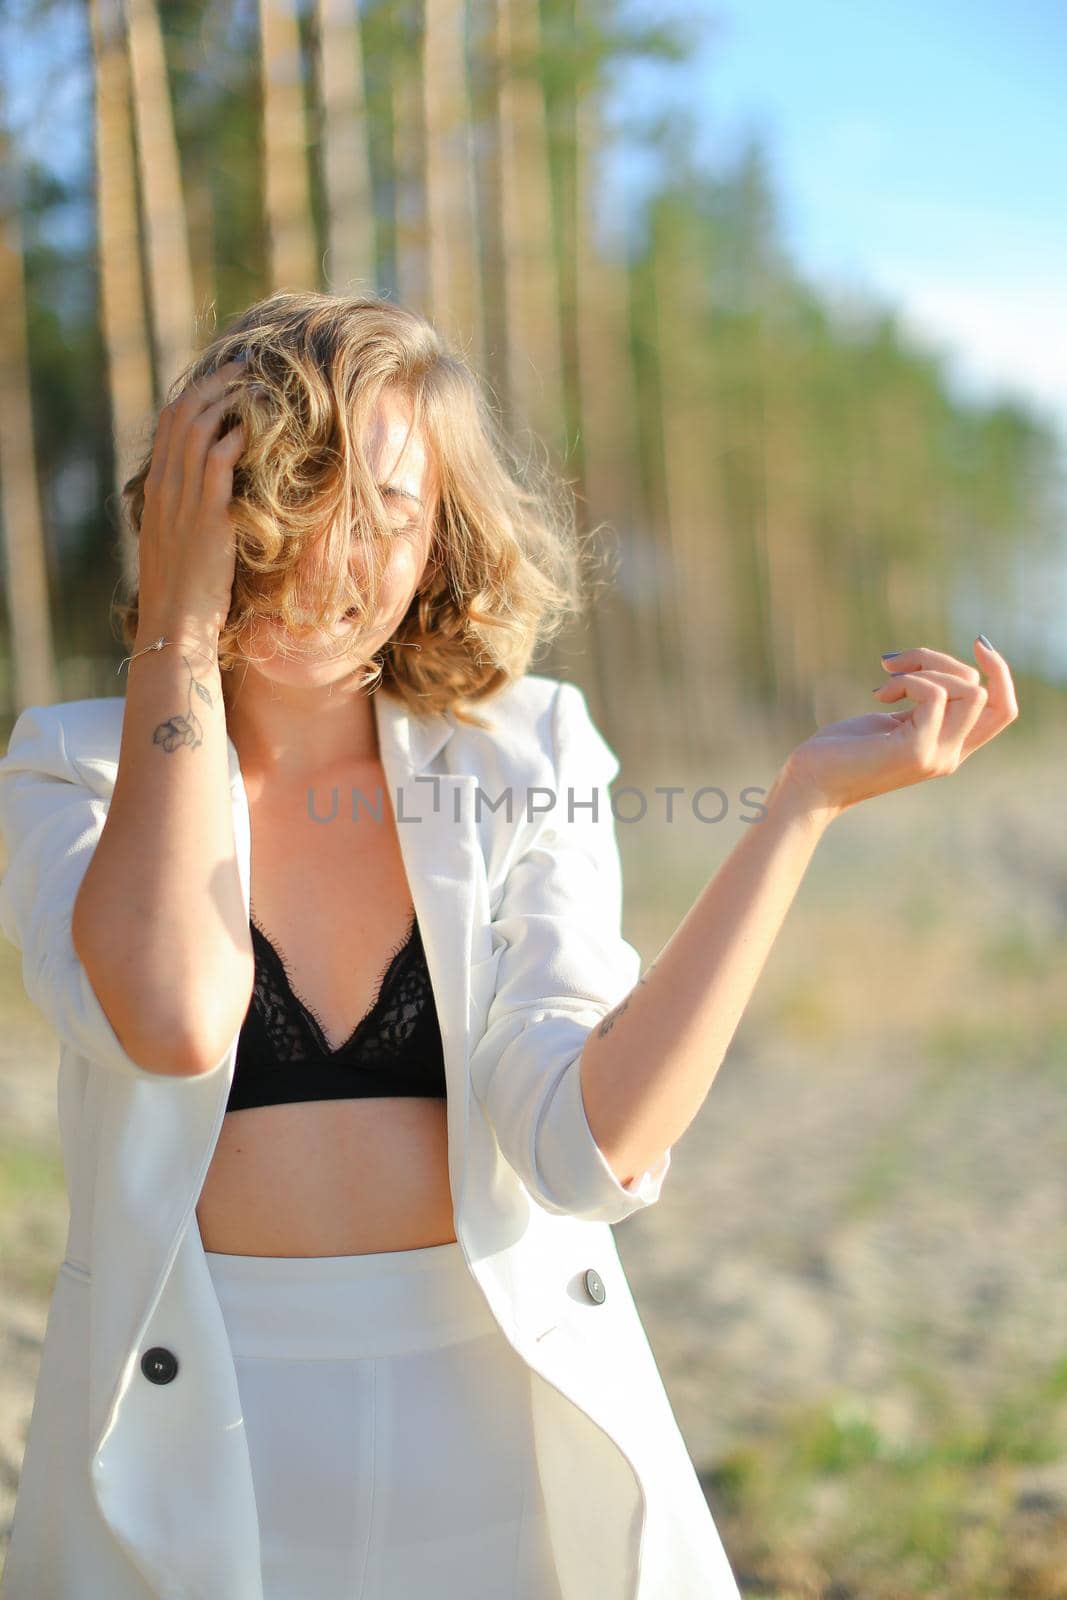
218	468
186	545
956	713
192	397
941	699
929	660
1002	707
158	463
928	688
200	439
184	413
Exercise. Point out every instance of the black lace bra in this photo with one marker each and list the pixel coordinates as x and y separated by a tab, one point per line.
284	1055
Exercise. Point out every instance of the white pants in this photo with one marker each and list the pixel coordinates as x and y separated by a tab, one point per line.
388	1422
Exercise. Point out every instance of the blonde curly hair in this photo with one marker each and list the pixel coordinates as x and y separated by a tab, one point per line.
505	566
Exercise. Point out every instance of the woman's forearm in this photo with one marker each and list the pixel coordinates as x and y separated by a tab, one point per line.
647	1068
159	923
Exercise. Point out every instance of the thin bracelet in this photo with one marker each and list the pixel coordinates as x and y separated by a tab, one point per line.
158	645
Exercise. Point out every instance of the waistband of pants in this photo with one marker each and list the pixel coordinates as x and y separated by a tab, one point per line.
319	1307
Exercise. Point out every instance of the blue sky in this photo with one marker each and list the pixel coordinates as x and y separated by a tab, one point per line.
918	152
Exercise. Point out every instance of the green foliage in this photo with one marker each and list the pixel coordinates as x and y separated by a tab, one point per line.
901	495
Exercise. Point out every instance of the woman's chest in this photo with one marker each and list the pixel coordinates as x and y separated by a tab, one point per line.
331	901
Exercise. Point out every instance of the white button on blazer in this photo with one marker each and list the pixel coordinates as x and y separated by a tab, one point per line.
136	1480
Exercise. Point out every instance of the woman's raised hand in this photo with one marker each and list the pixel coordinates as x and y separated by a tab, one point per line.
187	549
954	715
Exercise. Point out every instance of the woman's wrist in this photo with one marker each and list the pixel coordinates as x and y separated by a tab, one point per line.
790	794
192	632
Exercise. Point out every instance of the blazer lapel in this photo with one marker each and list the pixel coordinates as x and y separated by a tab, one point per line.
434	812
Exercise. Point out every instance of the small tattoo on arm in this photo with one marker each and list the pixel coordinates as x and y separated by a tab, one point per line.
184	729
613	1016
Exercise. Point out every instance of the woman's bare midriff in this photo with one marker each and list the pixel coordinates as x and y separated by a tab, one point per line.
330	1177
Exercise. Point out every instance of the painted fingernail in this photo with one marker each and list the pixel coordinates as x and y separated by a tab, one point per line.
983	640
887	655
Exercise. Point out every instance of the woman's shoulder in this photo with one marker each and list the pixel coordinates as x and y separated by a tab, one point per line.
521	733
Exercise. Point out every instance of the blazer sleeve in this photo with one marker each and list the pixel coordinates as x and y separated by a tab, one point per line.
564	966
50	824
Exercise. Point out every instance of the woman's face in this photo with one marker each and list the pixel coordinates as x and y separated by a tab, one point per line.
405	473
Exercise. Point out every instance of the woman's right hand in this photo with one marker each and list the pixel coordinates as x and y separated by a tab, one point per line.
187	548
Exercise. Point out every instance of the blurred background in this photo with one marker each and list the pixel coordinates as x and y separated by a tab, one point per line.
780	288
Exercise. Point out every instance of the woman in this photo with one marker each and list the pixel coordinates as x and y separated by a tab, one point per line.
349	1105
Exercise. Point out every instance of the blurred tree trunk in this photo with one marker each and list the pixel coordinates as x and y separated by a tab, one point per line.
624	622
531	280
486	72
694	515
351	243
200	215
34	680
455	290
124	324
794	600
291	245
170	275
409	162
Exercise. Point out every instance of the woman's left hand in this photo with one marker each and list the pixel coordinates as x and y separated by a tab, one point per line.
955	714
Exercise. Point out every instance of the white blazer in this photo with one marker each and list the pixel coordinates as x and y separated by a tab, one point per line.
136	1480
